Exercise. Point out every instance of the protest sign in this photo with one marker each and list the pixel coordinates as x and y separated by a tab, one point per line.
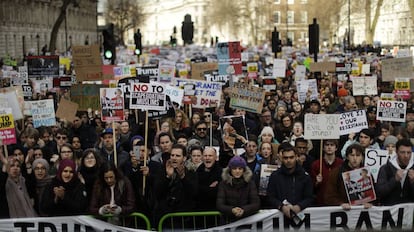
112	104
125	85
362	86
233	130
87	62
67	110
402	88
397	67
39	66
352	122
279	68
269	84
304	86
147	73
343	67
245	97
27	92
147	96
229	54
86	95
394	111
7	131
123	71
42	85
214	76
321	126
300	72
252	70
22	76
176	94
13	101
323	67
203	94
359	186
265	171
43	113
166	71
374	159
198	69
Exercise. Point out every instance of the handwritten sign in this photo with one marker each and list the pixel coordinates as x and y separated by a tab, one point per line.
304	86
87	62
176	94
43	113
321	126
279	68
245	97
374	159
352	122
67	110
394	111
364	86
203	94
397	67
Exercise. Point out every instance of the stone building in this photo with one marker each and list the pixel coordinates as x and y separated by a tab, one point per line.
26	25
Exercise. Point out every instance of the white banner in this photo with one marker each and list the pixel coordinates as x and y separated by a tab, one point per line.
72	223
352	122
385	218
394	111
374	159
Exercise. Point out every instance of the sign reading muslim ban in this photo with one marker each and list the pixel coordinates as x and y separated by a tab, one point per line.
147	96
321	126
245	97
394	111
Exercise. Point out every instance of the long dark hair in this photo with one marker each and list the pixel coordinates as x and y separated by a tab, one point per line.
101	184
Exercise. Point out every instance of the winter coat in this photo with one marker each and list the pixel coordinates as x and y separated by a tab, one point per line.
335	194
295	187
237	193
207	200
389	191
73	203
123	196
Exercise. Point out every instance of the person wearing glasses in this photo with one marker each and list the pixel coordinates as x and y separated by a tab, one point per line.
201	135
66	152
90	164
38	178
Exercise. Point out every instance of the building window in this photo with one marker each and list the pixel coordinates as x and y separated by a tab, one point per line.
277	2
276	17
304	17
290	17
303	35
291	2
291	35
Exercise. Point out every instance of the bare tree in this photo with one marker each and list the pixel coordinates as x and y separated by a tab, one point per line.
125	15
58	22
371	25
411	6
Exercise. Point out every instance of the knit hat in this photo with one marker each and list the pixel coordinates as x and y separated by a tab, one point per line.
237	162
63	164
267	130
342	92
390	139
41	161
136	137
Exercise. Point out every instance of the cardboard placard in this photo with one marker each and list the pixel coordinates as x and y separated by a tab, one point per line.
87	62
198	69
397	67
323	67
67	110
245	97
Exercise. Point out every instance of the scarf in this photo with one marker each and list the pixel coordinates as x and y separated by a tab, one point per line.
18	200
394	163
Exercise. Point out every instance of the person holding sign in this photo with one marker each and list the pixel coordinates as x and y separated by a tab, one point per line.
335	190
395	183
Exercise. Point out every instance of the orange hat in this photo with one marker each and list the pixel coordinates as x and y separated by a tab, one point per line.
342	92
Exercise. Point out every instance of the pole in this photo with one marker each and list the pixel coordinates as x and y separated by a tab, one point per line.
146	151
349	24
321	157
66	31
114	139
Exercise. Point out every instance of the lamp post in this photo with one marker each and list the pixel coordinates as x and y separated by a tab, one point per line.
349	24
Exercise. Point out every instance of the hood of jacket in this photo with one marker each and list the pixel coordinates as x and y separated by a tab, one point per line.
228	178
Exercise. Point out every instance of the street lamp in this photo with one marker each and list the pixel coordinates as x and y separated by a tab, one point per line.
349	24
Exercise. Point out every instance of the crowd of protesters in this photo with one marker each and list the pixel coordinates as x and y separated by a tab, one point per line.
71	168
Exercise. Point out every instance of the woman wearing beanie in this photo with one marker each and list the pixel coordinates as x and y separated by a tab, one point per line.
65	195
237	194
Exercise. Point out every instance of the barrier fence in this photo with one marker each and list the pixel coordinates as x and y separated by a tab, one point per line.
385	218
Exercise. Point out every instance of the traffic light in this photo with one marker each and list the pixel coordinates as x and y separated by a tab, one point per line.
109	43
276	43
173	41
187	30
138	43
314	38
